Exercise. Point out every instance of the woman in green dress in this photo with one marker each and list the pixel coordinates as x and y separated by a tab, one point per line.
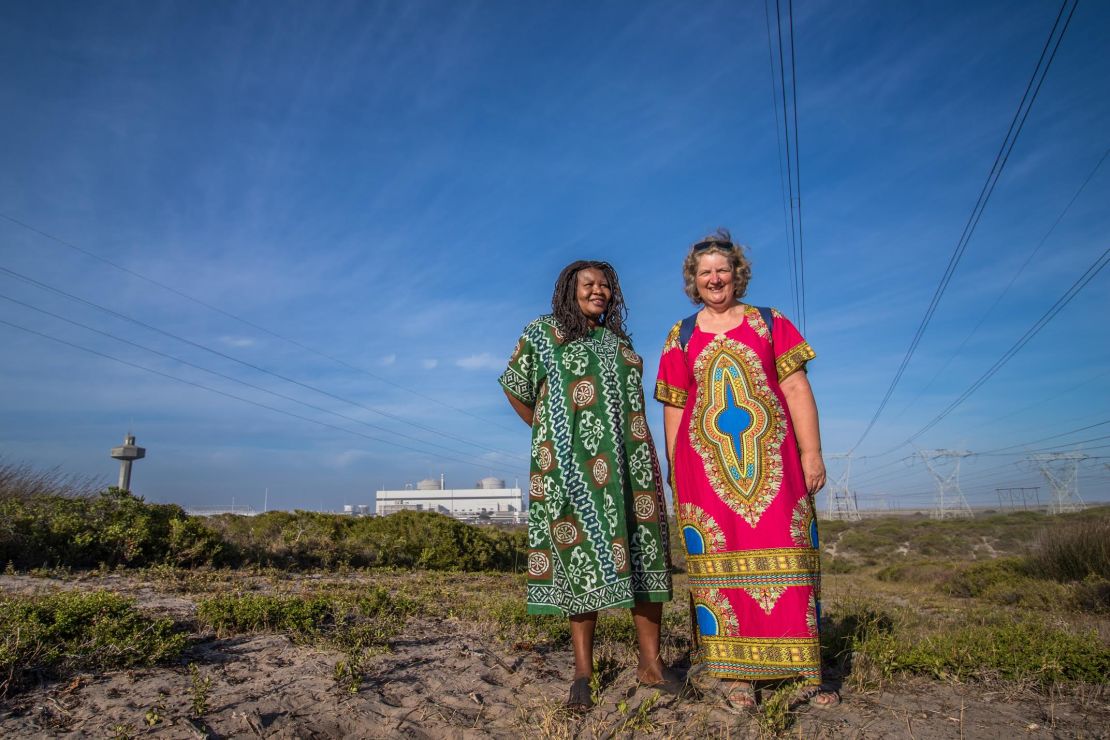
597	520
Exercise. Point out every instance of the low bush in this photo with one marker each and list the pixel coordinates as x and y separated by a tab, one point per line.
514	623
1029	651
848	626
1075	551
52	636
348	621
976	579
917	571
407	539
111	528
835	565
115	528
1092	594
1030	593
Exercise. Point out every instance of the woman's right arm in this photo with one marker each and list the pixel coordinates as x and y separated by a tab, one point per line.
672	417
526	413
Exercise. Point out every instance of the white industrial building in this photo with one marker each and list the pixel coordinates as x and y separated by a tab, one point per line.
489	500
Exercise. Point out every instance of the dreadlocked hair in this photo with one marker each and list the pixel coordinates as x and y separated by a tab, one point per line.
564	302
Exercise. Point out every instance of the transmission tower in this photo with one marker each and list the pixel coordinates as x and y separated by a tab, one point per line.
1061	470
950	501
842	499
1013	494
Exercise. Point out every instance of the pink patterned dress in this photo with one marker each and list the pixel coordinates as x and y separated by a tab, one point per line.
747	521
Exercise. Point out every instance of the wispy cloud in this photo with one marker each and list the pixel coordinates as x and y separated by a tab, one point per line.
388	360
429	364
238	341
481	361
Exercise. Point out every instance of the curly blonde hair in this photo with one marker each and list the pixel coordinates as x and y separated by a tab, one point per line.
719	242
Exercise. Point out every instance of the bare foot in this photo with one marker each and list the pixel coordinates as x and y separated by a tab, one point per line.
650	671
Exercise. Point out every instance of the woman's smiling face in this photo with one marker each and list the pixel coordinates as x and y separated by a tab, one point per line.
714	278
593	293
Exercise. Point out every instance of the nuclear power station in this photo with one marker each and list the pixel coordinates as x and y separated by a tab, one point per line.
490	501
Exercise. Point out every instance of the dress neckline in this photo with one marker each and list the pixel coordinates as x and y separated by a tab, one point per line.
743	320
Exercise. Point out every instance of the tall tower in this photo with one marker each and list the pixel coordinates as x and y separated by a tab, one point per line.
1061	470
950	501
126	454
842	499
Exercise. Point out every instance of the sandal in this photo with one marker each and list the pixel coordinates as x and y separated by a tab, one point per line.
580	700
739	696
818	696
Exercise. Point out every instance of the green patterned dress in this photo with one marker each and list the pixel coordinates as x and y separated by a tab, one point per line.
597	520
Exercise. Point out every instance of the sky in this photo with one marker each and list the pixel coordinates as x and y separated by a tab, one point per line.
299	240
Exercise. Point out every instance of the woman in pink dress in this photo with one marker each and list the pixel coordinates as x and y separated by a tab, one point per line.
745	454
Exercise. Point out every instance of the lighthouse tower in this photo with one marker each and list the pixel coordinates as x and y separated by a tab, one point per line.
126	454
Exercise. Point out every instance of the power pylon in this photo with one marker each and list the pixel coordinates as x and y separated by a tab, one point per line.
1013	494
842	499
1061	470
950	501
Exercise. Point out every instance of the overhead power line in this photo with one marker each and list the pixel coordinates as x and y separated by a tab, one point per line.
233	379
1031	332
791	270
1032	89
240	319
1010	284
244	363
793	195
201	386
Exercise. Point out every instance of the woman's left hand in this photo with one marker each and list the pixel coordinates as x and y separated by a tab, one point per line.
813	468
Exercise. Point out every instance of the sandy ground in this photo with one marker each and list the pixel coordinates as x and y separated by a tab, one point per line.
449	679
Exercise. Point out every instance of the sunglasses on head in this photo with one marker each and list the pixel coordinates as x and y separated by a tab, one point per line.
710	243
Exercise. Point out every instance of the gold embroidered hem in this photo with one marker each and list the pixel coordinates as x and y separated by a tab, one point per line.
668	394
755	569
761	658
794	359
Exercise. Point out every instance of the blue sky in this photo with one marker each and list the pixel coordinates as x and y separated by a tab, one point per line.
396	186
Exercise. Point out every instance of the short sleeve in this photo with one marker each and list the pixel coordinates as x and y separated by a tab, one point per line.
672	385
521	378
792	351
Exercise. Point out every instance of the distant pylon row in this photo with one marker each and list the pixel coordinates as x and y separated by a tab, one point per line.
1060	469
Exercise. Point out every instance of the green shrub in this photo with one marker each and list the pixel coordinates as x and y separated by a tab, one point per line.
515	623
976	579
115	528
834	566
1031	651
1074	550
1029	593
407	539
349	621
112	528
1092	594
916	571
57	634
848	626
249	613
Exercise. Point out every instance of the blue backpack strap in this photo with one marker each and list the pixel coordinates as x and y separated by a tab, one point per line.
687	330
768	318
